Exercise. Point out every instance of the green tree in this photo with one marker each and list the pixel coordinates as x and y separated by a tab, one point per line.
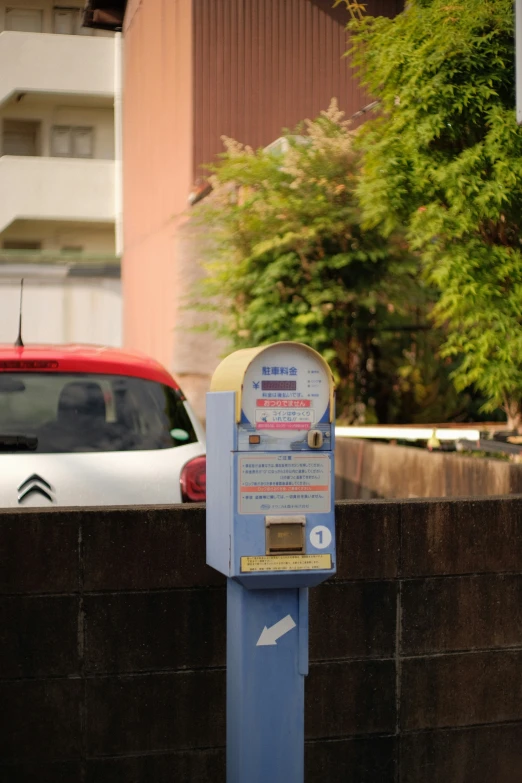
290	261
443	158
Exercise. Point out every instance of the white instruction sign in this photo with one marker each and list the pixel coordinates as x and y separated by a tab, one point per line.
284	418
284	483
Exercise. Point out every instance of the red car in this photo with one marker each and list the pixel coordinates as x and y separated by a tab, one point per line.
85	425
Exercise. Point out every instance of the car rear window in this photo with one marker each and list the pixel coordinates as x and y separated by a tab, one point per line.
58	412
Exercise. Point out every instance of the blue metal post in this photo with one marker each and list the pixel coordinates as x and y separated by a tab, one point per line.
267	659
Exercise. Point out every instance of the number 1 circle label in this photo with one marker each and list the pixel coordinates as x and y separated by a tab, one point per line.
320	537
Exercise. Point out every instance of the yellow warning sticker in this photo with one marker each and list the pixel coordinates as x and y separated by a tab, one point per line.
286	563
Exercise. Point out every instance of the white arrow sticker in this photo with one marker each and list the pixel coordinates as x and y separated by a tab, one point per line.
271	635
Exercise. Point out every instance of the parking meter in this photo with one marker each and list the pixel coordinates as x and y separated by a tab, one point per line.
270	441
271	531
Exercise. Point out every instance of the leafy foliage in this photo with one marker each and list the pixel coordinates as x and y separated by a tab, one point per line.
444	159
290	261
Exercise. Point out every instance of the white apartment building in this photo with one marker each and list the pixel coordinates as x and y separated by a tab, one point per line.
60	164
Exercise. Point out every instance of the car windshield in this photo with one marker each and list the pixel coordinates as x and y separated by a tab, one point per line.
58	413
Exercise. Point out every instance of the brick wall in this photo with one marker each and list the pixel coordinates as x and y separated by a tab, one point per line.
112	647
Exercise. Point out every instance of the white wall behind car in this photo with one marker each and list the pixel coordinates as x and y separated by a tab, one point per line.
58	308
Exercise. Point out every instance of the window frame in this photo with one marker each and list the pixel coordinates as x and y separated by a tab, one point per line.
22	245
76	130
76	13
18	10
12	121
72	130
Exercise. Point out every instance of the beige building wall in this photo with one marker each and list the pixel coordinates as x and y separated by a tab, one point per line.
56	80
55	73
58	308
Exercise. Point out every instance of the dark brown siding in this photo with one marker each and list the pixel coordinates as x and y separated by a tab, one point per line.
263	65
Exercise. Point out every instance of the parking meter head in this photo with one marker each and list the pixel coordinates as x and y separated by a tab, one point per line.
270	467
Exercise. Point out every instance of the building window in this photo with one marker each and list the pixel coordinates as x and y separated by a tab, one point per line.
68	21
72	142
25	20
23	244
20	137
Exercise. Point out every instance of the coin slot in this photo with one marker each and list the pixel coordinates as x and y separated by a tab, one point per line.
315	439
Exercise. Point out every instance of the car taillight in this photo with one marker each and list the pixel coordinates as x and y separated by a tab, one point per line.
193	481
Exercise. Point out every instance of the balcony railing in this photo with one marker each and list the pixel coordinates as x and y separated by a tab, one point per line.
33	188
62	64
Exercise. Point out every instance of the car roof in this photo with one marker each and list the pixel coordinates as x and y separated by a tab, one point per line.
77	358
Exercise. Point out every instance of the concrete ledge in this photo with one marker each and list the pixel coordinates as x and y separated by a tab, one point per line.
366	470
